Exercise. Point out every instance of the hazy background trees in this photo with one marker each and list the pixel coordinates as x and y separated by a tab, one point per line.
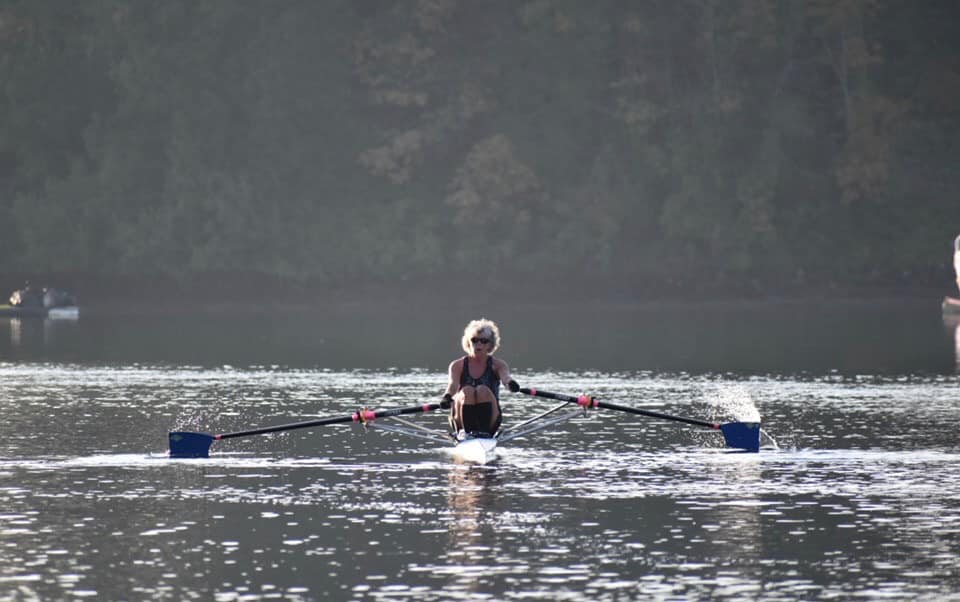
666	144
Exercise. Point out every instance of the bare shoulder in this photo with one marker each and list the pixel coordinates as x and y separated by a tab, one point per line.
455	366
499	364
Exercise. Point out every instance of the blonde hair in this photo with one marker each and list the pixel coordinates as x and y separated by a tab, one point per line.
484	327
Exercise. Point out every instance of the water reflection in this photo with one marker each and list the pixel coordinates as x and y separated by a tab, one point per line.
472	497
38	334
16	332
472	490
599	508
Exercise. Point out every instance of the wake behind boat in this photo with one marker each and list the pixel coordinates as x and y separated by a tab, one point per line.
473	447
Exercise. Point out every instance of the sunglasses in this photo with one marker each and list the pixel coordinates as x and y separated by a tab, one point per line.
481	340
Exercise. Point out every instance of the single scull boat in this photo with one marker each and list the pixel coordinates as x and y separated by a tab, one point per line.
477	448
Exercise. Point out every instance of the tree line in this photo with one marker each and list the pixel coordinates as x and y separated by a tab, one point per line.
677	143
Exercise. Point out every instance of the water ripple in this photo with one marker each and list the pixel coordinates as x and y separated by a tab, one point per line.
853	502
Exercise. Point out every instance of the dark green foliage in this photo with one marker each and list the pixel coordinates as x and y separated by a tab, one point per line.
680	143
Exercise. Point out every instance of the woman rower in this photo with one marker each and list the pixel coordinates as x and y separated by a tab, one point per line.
473	390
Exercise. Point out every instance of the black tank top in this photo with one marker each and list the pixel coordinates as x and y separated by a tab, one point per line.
489	377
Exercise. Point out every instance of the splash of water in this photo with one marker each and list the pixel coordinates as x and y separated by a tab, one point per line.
773	441
188	420
733	401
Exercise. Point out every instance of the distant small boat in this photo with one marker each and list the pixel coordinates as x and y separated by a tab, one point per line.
48	302
18	311
70	312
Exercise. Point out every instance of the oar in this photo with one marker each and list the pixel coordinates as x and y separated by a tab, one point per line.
739	435
197	445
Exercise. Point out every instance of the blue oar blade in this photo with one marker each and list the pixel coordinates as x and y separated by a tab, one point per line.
190	445
742	435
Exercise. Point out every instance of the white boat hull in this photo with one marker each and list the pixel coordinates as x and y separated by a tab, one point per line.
478	450
64	313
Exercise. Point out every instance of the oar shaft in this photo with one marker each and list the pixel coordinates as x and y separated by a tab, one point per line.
586	401
286	427
360	416
197	445
652	414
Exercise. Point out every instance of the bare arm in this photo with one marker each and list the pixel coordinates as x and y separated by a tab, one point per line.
503	371
456	366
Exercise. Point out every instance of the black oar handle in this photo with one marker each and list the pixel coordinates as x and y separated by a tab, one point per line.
363	416
589	402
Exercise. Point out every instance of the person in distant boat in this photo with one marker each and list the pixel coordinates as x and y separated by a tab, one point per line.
28	296
956	259
473	390
54	297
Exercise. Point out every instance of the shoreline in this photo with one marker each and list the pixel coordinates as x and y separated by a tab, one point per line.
237	294
403	305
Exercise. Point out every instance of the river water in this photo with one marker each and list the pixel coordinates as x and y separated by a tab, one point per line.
853	494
